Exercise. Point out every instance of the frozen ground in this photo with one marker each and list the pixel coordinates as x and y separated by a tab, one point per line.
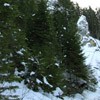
92	54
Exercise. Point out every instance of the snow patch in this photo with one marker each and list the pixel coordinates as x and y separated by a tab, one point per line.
58	92
46	82
82	25
6	4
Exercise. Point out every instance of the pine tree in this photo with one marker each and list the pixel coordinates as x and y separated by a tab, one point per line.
38	33
98	25
41	42
5	27
13	47
71	57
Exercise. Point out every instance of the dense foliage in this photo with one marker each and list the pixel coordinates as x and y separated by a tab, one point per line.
40	45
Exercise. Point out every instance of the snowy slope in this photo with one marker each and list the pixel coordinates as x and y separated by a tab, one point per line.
92	54
91	50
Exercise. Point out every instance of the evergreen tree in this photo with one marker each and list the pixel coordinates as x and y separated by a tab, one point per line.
5	28
38	33
98	17
71	57
92	20
13	47
41	42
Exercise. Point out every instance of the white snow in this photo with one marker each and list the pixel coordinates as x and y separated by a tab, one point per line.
46	82
23	63
20	52
83	25
57	64
58	92
92	55
6	4
32	73
33	14
38	81
18	73
23	92
64	28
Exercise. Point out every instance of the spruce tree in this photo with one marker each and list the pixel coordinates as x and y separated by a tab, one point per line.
98	17
41	43
5	28
71	57
13	47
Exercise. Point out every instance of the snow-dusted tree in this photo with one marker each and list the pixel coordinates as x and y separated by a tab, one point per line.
40	39
69	51
13	49
5	37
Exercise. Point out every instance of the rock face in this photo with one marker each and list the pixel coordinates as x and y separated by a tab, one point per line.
82	25
83	31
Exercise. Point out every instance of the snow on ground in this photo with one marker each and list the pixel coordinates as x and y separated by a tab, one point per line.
92	54
24	93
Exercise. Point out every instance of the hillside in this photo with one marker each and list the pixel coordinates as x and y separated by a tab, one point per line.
91	50
92	54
